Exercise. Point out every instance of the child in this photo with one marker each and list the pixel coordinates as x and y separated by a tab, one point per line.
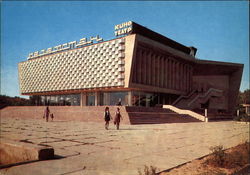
52	116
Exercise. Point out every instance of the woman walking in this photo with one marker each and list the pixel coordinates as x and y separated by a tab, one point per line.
107	117
46	113
117	118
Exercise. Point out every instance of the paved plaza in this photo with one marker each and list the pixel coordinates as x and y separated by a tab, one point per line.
88	149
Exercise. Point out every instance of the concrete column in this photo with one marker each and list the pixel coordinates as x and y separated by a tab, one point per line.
177	70
182	77
158	70
165	72
173	74
130	98
205	112
206	119
149	68
139	98
238	112
139	79
169	74
190	78
83	99
145	72
97	98
186	77
142	67
153	70
162	72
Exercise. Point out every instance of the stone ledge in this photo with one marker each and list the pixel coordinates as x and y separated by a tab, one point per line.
15	152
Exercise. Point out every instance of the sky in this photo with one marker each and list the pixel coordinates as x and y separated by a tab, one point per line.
218	29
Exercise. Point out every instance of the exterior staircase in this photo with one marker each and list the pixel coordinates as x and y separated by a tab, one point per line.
194	99
154	115
183	100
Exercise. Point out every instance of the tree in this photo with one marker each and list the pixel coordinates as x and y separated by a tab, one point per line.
13	101
244	97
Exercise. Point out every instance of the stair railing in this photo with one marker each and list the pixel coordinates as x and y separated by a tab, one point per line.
183	96
205	95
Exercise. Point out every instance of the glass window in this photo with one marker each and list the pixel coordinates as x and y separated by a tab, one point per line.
90	99
144	99
72	99
135	98
114	98
59	100
53	100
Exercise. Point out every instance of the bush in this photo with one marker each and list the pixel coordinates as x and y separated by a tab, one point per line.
148	170
234	159
218	156
243	118
239	157
237	118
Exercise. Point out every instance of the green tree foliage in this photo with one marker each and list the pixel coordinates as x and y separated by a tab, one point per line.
13	101
244	97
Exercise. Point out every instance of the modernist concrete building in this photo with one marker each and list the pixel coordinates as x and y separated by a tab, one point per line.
140	67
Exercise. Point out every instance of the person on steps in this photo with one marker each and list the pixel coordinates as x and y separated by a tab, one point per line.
118	118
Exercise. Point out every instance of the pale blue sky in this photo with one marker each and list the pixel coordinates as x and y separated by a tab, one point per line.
219	29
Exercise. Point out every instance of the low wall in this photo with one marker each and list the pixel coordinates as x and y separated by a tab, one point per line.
130	115
16	152
69	113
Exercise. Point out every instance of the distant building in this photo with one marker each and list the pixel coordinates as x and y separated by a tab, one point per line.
139	66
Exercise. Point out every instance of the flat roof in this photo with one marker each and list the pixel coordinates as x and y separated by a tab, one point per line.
139	29
207	67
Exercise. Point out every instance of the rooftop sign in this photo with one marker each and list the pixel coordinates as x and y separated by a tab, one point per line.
124	28
66	46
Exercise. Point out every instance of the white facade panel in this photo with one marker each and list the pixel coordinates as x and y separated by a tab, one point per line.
92	66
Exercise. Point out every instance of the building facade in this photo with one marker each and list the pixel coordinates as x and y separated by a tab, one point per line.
138	68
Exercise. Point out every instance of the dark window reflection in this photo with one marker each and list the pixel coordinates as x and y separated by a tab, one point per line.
114	98
57	100
151	99
90	99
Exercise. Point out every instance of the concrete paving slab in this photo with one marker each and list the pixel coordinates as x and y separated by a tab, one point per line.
87	148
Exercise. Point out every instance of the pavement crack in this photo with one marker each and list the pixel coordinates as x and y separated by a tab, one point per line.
74	171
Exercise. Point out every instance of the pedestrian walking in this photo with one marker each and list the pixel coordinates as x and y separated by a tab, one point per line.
118	118
107	118
46	113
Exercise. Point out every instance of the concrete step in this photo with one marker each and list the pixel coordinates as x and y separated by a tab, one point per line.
149	118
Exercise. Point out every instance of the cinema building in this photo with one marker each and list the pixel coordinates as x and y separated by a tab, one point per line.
139	67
